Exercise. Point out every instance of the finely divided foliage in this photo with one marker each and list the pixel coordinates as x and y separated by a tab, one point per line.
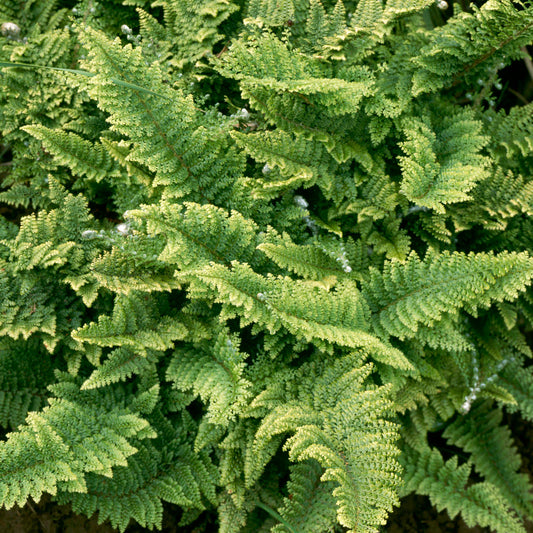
254	252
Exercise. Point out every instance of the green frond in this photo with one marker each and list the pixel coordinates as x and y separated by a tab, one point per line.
284	86
120	151
504	195
273	12
195	24
197	234
316	26
390	240
310	505
432	227
338	317
137	491
214	371
300	248
367	13
512	134
519	382
21	389
133	265
311	261
412	293
135	322
9	11
62	226
442	167
121	364
305	162
340	392
447	486
83	157
60	444
465	48
378	196
189	158
481	434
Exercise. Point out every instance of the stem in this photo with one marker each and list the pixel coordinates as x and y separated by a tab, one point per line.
527	61
275	515
9	64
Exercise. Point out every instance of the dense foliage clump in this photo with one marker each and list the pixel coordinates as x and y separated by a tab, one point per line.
256	255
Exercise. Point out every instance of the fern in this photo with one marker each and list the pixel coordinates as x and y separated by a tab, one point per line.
261	252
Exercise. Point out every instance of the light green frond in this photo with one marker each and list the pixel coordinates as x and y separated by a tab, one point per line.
338	317
395	9
135	322
303	161
310	505
464	49
310	261
512	133
272	12
62	443
315	438
213	371
121	364
198	234
442	167
417	292
83	157
191	159
133	266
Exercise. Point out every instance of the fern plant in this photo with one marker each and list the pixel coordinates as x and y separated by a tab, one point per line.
260	254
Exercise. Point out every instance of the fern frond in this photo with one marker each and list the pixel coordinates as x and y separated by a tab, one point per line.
371	463
81	156
21	389
416	292
447	486
338	317
310	261
135	322
214	372
470	44
121	364
442	167
198	234
137	491
191	159
62	443
310	505
194	23
493	455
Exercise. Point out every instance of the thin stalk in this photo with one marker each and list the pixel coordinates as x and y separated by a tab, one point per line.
9	64
276	515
